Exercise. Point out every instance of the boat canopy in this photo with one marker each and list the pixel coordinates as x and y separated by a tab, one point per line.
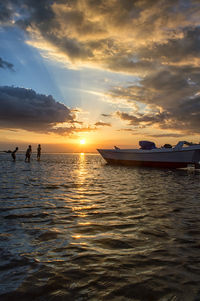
147	145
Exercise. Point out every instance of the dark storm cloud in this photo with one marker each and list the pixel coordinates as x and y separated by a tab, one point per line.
25	109
5	64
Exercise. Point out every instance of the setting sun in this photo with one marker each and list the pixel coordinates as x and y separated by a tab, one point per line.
82	141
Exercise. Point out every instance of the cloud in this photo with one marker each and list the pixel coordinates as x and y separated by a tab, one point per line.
157	41
91	31
106	115
126	130
6	12
170	135
68	131
145	119
176	50
22	108
184	117
154	135
5	64
171	98
100	123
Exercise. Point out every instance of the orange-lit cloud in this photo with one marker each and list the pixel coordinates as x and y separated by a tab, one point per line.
122	36
173	99
101	123
157	41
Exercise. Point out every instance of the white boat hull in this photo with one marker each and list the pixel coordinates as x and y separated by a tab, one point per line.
168	158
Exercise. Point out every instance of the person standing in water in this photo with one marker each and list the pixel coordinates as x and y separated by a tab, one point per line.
13	154
38	152
28	154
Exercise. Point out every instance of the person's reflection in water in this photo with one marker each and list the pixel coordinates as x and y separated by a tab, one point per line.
38	152
28	154
13	154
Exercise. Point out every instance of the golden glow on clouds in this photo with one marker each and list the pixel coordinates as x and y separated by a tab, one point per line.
155	41
100	30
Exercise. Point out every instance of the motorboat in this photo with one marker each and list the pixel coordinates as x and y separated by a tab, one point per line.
179	156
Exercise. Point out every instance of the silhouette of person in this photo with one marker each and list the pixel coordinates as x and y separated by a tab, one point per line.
28	154
38	152
13	154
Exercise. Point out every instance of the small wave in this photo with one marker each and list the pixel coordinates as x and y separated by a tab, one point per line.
110	243
74	231
72	185
26	216
48	235
52	186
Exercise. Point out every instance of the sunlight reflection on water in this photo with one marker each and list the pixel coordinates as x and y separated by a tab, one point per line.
73	228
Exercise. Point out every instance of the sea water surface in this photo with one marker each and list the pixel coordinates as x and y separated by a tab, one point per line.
74	228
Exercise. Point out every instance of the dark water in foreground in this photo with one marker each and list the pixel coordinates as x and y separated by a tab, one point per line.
73	228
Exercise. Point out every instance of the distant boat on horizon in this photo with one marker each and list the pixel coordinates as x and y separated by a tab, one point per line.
180	156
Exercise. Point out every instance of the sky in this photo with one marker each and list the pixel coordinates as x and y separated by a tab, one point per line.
109	72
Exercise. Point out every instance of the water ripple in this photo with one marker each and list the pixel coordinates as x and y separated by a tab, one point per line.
74	228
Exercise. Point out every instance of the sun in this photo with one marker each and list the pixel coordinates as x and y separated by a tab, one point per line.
82	141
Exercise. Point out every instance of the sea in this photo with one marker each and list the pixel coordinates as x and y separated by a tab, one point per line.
74	228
